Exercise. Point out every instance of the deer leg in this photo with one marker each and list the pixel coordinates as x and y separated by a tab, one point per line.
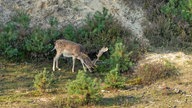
73	67
83	65
88	67
55	62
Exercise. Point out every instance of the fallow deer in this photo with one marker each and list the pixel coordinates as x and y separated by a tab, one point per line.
76	51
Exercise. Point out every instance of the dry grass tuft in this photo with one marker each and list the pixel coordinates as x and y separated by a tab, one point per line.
151	72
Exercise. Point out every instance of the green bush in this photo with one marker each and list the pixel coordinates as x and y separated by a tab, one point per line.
21	18
85	89
151	72
44	80
53	21
120	57
180	8
18	41
99	30
37	42
13	35
40	42
70	33
113	79
164	33
170	24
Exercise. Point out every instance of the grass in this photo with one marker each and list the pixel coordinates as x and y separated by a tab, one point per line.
16	81
16	89
150	72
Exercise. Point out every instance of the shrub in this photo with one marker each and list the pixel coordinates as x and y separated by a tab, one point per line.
171	24
84	89
53	21
12	36
180	12
100	29
114	80
70	33
18	41
22	19
120	57
163	33
40	42
180	8
44	80
151	72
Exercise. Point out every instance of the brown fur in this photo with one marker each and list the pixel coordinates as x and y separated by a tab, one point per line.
74	50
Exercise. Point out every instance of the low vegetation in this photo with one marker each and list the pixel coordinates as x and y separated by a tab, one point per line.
113	79
171	24
151	72
18	41
83	90
44	80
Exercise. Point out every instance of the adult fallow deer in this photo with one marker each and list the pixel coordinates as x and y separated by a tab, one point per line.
76	51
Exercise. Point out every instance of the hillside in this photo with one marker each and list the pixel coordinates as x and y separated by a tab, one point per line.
74	11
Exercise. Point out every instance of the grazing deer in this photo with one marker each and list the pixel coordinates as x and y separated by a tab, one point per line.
76	51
